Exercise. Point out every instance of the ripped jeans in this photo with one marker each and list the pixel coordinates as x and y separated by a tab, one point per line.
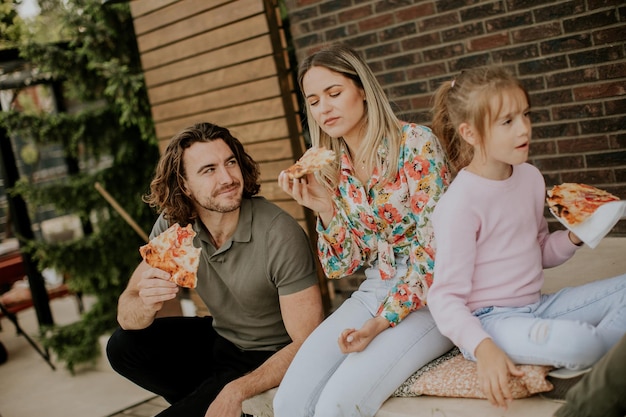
572	328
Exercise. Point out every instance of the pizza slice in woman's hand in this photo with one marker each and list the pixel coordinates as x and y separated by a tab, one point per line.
313	160
173	251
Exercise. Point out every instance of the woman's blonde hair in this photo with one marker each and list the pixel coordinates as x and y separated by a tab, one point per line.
466	99
382	127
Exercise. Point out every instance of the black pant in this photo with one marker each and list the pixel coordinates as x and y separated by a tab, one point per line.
181	359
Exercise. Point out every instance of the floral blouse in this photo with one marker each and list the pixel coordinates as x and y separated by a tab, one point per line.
375	222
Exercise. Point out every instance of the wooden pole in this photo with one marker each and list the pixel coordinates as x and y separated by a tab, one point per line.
121	211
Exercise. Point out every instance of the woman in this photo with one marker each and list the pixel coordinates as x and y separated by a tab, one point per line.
374	205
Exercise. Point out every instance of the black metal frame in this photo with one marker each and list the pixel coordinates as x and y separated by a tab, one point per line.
13	318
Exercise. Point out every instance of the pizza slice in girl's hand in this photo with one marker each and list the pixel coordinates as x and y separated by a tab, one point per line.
173	251
575	203
313	160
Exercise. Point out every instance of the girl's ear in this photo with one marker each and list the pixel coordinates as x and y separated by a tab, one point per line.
467	133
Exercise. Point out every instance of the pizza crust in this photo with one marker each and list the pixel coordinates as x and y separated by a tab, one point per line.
313	160
173	252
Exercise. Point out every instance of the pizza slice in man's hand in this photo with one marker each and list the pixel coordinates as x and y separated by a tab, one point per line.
173	251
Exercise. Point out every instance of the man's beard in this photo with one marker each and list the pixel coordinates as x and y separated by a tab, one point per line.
212	204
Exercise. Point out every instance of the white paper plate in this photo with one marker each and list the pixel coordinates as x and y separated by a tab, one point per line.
593	230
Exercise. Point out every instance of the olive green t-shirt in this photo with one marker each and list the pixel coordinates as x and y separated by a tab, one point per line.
268	255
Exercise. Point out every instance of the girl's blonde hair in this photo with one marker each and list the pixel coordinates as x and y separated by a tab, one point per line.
382	127
466	99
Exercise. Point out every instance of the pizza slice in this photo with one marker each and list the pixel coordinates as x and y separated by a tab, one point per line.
173	251
575	202
313	160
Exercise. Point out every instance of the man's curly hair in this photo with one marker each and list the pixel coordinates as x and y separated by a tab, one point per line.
167	188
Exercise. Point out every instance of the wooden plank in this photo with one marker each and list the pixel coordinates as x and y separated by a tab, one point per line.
270	151
173	13
209	61
245	113
270	170
213	100
199	23
214	39
140	8
224	77
271	191
261	131
294	209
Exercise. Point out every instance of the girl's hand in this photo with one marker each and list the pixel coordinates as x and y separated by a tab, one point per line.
575	239
494	368
352	340
308	192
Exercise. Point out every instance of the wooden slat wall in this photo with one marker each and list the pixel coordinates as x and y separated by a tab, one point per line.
213	60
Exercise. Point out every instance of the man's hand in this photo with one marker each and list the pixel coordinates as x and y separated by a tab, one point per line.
227	403
494	368
154	288
352	340
147	290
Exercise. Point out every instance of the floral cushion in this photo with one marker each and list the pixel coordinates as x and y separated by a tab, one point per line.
451	375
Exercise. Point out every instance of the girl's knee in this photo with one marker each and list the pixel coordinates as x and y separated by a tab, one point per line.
578	344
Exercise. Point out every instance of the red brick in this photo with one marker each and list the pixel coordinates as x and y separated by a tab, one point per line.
589	176
542	147
355	14
537	32
420	42
439	21
583	145
597	90
426	71
610	35
415	12
493	41
613	70
377	22
422	102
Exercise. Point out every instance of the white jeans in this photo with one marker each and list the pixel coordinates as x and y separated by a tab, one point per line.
324	382
572	328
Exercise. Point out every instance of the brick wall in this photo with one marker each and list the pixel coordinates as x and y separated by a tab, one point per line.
571	55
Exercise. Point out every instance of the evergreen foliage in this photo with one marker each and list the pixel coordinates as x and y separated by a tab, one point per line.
111	141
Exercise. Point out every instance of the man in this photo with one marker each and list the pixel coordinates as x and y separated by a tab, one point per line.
257	277
600	392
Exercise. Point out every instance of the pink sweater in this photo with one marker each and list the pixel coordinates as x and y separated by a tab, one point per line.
492	245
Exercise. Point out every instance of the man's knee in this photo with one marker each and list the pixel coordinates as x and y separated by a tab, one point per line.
123	347
114	349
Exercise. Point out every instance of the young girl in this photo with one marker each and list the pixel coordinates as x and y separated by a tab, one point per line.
493	243
374	205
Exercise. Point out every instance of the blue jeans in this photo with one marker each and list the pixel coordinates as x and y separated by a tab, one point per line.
572	328
324	382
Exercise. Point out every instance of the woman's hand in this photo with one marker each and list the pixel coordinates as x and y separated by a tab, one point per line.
494	368
352	340
309	193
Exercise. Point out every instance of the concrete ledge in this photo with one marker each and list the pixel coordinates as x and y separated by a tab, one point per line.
607	260
535	406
